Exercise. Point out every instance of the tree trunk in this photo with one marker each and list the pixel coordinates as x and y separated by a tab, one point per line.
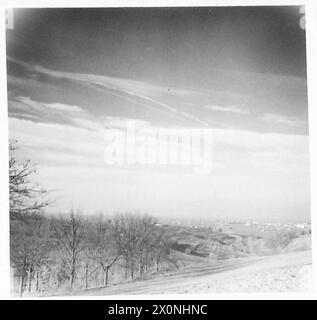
96	277
37	281
29	280
140	266
72	276
72	271
71	280
58	282
106	276
86	276
146	261
126	267
158	264
132	268
21	286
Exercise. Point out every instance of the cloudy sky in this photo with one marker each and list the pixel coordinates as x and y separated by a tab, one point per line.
240	72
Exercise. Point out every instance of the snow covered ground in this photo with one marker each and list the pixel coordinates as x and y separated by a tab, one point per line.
287	272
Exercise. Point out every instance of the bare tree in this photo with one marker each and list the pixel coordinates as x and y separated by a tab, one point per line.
24	196
70	235
29	247
126	234
161	246
103	247
146	242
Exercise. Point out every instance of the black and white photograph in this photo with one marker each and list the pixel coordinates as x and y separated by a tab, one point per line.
158	150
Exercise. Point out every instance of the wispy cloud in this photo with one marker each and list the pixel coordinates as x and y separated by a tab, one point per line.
141	93
231	109
26	108
281	120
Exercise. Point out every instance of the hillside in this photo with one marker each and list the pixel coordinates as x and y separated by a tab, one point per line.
235	241
284	272
202	260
